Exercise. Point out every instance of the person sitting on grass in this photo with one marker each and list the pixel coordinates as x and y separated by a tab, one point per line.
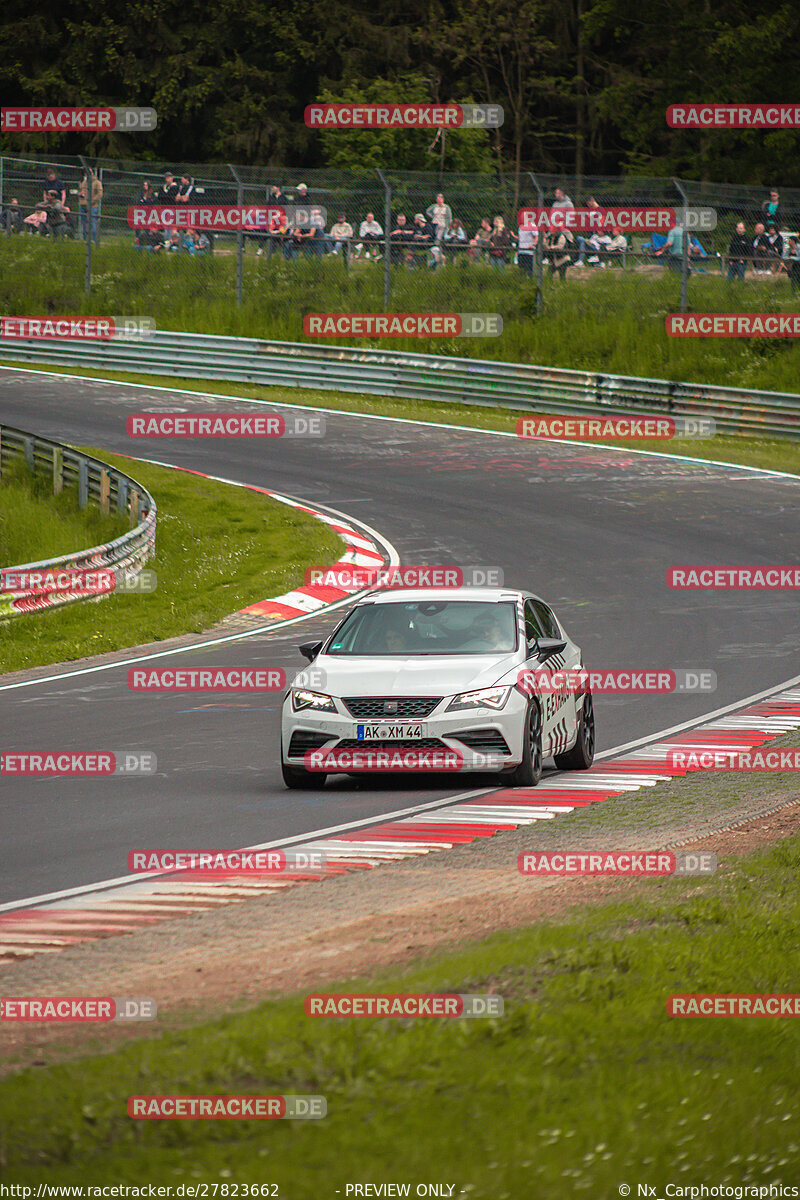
189	242
55	223
203	242
479	245
174	243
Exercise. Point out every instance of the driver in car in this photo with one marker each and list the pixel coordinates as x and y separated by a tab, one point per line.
488	634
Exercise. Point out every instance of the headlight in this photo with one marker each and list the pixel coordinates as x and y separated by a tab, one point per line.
317	701
485	698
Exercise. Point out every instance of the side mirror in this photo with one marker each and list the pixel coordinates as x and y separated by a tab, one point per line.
310	650
547	647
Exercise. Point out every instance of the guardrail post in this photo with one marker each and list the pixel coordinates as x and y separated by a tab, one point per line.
239	234
387	229
122	495
134	508
28	450
83	483
685	255
105	491
539	249
58	471
1	451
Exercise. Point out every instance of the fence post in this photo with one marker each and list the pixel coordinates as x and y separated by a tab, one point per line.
6	220
87	281
105	491
1	451
387	224
685	255
239	234
83	483
539	248
58	471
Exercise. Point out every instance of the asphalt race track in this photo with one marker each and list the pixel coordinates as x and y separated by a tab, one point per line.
590	529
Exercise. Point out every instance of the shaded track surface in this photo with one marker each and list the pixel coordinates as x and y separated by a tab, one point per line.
592	530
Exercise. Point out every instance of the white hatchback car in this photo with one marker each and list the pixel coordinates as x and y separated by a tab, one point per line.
437	671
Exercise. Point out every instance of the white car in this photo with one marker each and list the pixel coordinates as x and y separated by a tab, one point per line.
437	672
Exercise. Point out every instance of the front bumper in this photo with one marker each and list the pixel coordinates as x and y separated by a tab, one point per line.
493	740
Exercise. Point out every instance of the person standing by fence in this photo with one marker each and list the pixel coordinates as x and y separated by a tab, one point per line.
96	198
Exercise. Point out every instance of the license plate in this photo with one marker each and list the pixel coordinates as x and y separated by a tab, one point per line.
389	733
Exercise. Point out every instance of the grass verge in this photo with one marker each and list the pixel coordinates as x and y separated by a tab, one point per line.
776	454
218	549
583	1085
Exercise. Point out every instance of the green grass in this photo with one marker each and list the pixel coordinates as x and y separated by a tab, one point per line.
218	548
775	454
35	524
603	321
584	1084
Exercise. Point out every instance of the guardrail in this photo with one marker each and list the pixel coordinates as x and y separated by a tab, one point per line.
85	574
425	377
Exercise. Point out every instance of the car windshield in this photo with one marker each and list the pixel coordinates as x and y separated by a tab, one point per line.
428	627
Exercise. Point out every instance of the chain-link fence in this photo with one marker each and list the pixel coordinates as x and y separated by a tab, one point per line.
303	241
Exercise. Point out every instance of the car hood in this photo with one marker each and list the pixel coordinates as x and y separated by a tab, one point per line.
422	676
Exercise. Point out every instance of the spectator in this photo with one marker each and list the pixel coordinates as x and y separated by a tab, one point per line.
174	243
341	234
580	239
617	245
189	241
562	201
771	209
282	236
53	184
455	236
423	238
55	222
672	250
12	217
479	245
96	197
760	247
774	248
169	191
440	216
400	238
185	190
150	239
147	194
558	244
791	262
527	237
499	244
599	242
370	232
276	196
738	252
303	195
203	242
311	237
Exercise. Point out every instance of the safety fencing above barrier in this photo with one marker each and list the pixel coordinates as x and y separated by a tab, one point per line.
426	377
85	574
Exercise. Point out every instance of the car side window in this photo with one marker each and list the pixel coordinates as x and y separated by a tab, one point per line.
533	628
546	619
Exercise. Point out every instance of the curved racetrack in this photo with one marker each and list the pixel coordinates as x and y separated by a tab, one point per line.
592	530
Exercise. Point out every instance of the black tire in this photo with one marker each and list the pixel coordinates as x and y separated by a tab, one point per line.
300	778
581	756
529	771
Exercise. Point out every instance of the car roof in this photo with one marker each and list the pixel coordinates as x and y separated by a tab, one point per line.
415	595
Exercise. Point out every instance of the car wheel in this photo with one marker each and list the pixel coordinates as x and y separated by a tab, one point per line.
299	777
581	756
529	771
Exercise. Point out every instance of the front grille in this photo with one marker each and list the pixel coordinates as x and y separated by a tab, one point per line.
372	708
488	741
304	739
404	744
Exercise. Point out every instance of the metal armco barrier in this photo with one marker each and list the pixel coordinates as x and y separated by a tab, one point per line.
98	484
425	377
